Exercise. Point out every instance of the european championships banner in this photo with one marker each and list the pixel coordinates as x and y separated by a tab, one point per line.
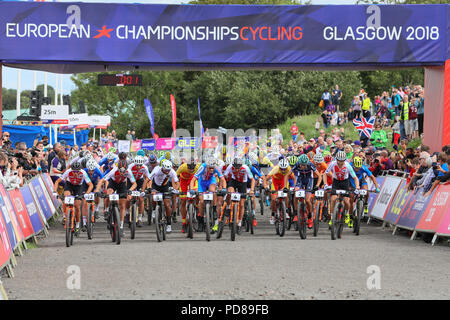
222	34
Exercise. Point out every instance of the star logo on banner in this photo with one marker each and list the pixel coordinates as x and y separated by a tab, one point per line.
103	32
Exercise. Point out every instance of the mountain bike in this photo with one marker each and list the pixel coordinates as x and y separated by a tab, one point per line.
280	215
160	214
191	212
302	216
133	216
69	218
208	213
359	208
290	220
229	216
338	215
113	216
260	194
319	204
248	219
90	219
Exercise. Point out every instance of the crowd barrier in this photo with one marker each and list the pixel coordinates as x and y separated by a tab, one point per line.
411	210
24	213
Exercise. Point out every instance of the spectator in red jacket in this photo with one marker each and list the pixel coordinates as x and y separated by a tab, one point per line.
294	131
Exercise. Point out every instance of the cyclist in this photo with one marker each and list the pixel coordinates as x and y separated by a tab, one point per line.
340	170
304	171
257	175
239	175
73	185
322	166
206	176
159	182
141	175
95	175
185	173
361	172
107	163
280	175
116	182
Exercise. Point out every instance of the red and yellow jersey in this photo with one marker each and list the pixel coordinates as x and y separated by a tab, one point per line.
184	173
277	174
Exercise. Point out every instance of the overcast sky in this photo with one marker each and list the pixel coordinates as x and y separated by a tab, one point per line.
10	74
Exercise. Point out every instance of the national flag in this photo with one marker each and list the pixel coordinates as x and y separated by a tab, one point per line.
149	109
364	126
174	115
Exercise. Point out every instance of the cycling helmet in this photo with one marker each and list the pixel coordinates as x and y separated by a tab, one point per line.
122	164
357	162
191	164
328	158
167	165
292	160
81	154
140	153
284	164
152	159
110	156
87	155
341	156
318	158
139	160
238	162
76	165
211	162
91	165
303	160
311	155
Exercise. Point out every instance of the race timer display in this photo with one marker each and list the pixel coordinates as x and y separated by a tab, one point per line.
120	80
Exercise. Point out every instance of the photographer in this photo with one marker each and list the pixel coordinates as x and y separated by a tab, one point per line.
6	143
10	174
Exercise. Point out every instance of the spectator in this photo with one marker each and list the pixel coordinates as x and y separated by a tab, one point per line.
366	106
10	172
325	118
420	112
326	97
6	143
378	137
404	111
133	134
294	131
128	136
413	121
317	126
58	165
337	96
356	105
301	139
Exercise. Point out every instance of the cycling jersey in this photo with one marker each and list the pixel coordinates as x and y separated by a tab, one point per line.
277	174
204	174
139	173
241	175
307	172
341	173
160	178
76	177
107	164
95	176
184	173
361	174
256	172
117	177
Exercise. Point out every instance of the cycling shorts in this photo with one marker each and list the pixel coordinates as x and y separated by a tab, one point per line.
240	187
203	185
75	190
119	188
341	185
139	183
306	183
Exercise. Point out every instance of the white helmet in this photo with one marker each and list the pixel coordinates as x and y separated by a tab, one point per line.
341	156
88	155
167	165
110	156
211	162
283	163
91	165
139	160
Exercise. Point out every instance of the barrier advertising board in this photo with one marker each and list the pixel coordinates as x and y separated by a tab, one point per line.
413	209
401	198
32	208
21	212
11	215
39	196
385	197
436	210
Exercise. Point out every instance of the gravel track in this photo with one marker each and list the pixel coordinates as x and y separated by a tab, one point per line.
259	266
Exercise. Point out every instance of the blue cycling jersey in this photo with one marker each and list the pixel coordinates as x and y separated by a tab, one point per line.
95	176
361	174
256	173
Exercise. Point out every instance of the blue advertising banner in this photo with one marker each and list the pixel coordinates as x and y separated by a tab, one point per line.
187	143
40	196
149	144
414	209
32	209
373	196
183	36
401	198
8	223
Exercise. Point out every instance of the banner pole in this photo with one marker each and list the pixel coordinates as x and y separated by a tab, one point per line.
18	93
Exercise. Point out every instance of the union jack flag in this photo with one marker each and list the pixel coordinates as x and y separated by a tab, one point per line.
364	126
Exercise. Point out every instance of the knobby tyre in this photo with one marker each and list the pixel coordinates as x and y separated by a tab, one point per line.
207	214
233	224
302	220
359	213
90	223
334	225
190	222
319	208
68	227
158	224
251	218
133	221
341	221
117	224
282	215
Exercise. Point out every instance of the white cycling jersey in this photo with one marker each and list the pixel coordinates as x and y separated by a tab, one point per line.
341	173
160	178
